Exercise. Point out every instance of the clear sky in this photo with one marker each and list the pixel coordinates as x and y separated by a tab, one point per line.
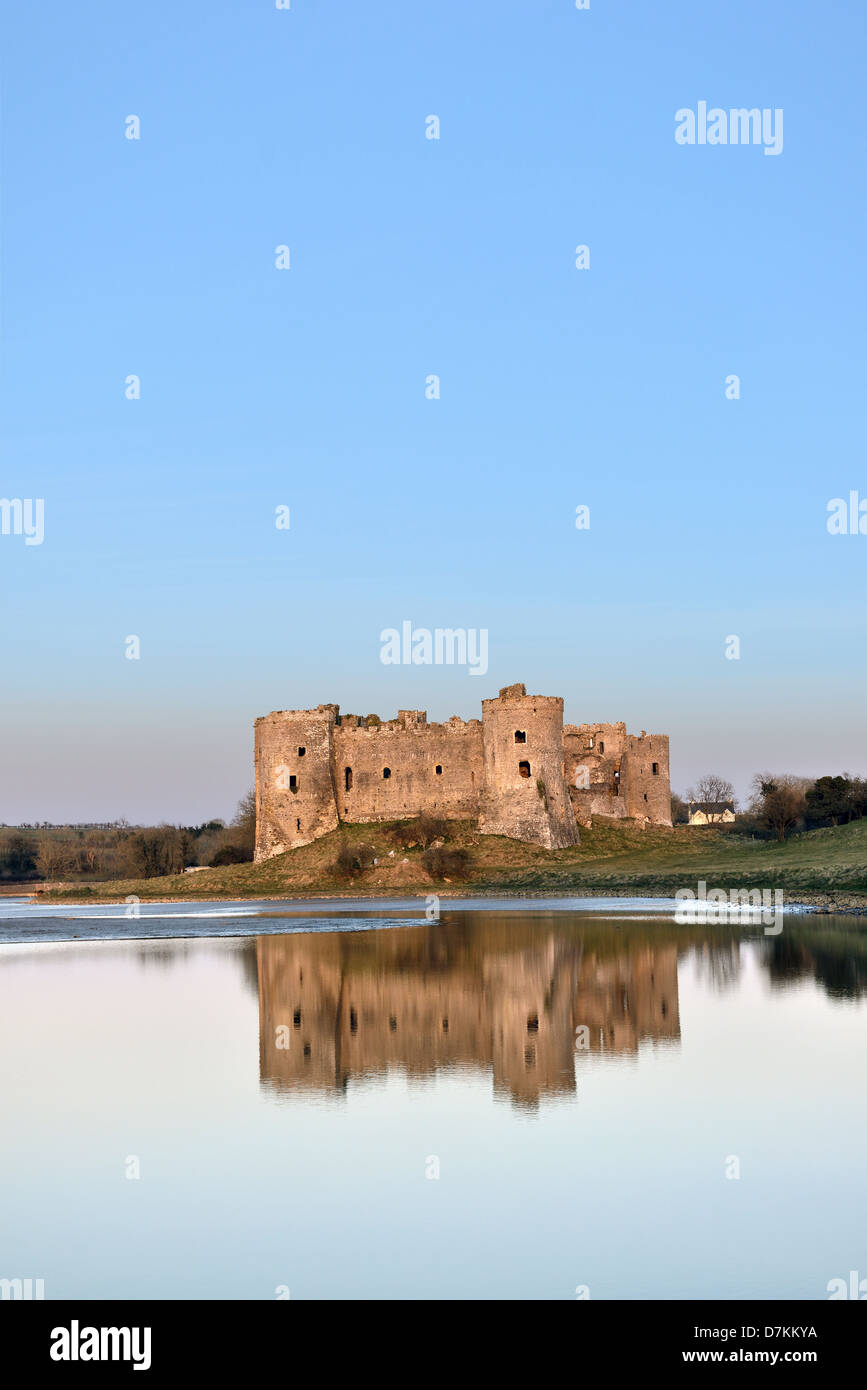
306	387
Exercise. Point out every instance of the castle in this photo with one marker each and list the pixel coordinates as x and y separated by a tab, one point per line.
517	771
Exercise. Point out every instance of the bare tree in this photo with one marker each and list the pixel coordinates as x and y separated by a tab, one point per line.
53	857
711	787
244	825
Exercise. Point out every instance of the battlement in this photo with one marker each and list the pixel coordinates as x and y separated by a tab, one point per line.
517	771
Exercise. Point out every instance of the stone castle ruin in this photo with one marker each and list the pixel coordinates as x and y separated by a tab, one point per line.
518	771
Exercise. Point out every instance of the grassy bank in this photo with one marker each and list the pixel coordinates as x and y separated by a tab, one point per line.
612	858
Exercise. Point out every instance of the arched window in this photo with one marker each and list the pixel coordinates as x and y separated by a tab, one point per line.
386	772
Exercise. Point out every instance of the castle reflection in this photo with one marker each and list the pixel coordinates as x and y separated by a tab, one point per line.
496	995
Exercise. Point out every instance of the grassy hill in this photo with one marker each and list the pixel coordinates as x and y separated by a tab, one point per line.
612	858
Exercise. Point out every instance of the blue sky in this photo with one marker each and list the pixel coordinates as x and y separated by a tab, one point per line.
306	387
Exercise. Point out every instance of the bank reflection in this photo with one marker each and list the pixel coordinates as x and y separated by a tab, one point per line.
490	996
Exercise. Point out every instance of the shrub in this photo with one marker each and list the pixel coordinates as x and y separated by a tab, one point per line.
441	862
430	828
353	859
422	830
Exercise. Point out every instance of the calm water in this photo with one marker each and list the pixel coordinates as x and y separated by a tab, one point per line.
289	1095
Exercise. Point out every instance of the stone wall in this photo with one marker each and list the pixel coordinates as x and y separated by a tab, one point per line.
648	790
517	771
431	767
612	773
295	800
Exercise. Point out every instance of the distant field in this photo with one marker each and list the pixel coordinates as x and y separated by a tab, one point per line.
611	858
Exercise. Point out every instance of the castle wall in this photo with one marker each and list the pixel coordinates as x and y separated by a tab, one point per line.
593	766
412	750
648	790
612	773
525	795
291	813
517	771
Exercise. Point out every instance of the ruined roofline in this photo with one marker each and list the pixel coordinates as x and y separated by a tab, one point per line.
288	714
523	700
346	723
452	725
619	727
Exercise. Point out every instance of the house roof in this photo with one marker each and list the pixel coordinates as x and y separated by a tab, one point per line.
712	807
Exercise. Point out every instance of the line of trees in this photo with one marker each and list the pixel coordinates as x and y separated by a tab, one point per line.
123	851
781	803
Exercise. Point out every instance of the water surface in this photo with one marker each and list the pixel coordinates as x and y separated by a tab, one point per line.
508	1103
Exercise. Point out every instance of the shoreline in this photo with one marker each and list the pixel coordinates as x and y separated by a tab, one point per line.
854	904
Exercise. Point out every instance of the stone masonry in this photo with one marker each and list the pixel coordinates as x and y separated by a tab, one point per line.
517	771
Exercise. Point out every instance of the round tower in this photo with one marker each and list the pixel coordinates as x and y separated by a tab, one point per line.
525	794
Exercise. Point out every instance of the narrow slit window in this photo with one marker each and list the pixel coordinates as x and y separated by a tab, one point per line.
347	779
655	769
601	746
293	782
439	770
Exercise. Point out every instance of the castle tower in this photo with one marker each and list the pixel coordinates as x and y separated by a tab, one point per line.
525	794
295	801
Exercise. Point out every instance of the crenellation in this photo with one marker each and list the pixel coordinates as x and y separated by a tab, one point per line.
518	771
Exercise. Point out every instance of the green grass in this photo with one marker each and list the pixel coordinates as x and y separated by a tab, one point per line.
613	857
